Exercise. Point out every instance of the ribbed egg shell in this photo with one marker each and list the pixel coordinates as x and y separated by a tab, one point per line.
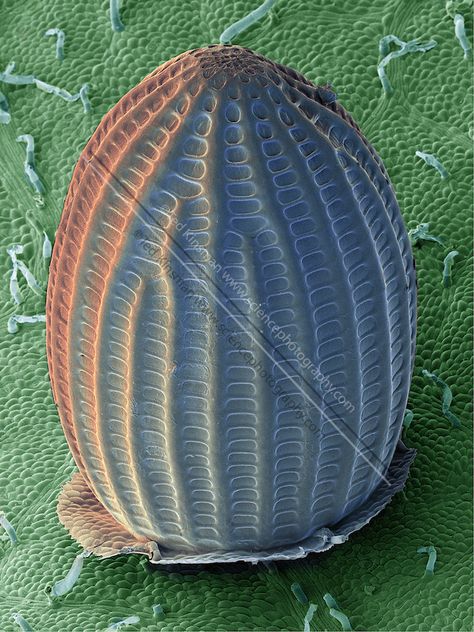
231	312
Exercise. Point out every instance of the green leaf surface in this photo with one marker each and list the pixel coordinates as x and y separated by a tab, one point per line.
333	41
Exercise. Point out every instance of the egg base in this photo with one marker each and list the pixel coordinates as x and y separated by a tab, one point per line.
91	525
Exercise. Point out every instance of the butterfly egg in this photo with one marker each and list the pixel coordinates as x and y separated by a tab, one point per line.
230	319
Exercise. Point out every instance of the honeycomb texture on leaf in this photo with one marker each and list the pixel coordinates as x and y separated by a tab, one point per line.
377	576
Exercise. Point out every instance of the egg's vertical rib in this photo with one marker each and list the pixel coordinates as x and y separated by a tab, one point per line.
85	338
191	379
152	359
385	241
364	154
241	349
406	354
154	438
239	427
289	466
377	173
239	381
152	365
61	283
